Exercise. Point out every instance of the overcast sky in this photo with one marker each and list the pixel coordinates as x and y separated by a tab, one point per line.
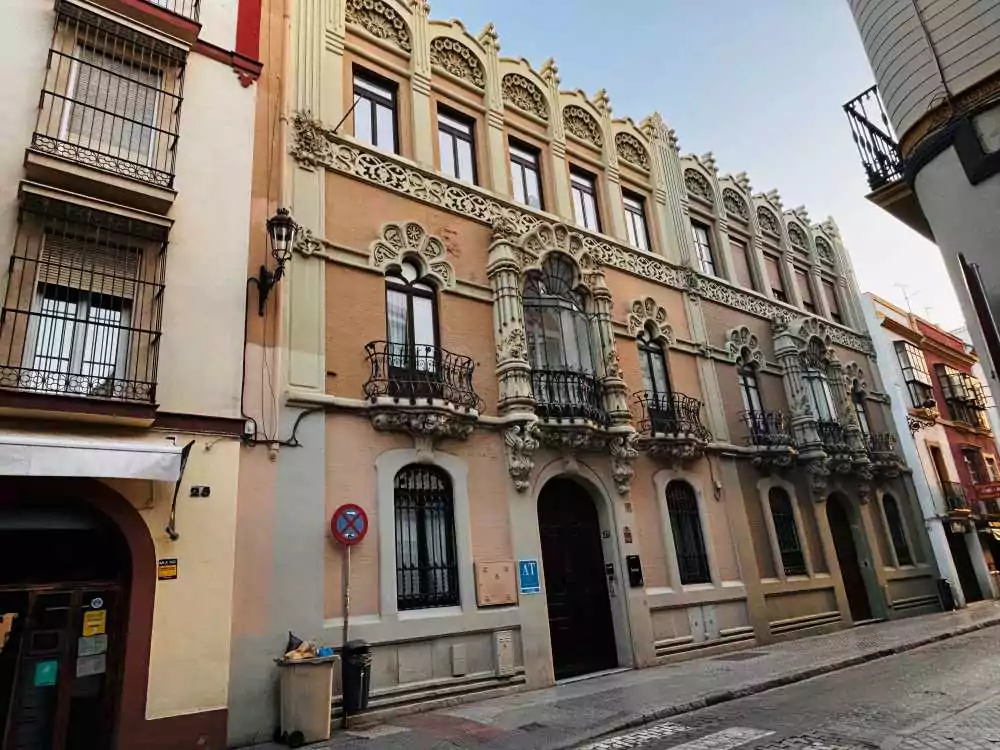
760	84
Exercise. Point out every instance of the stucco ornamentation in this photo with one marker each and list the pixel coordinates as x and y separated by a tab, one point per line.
818	473
379	19
697	184
675	450
648	314
574	436
307	243
513	346
768	221
458	60
315	146
623	453
398	240
524	94
522	442
852	372
735	205
824	250
631	150
582	124
424	422
744	347
797	237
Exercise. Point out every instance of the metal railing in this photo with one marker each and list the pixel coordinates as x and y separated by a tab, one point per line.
954	496
111	98
876	144
672	414
568	394
82	313
187	8
416	373
769	429
831	434
881	443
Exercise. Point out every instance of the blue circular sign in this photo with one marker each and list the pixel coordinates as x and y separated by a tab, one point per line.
349	524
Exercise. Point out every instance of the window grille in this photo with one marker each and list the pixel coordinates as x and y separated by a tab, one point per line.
82	313
111	98
187	8
426	561
689	543
894	521
787	533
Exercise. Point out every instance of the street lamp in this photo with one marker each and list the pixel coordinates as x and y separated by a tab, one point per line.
281	231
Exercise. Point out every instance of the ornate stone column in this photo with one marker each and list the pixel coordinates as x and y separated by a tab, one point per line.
558	168
512	368
495	145
614	207
609	371
420	67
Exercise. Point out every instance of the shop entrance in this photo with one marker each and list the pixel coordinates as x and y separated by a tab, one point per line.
64	573
963	564
837	513
576	588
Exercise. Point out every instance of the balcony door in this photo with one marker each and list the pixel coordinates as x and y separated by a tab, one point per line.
657	396
560	343
411	329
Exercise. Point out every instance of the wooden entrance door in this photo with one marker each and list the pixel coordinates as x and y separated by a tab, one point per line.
847	559
576	587
963	565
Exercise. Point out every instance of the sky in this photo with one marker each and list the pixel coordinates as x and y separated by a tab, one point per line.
758	83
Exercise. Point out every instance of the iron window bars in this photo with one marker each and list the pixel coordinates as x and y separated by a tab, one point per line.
876	144
190	9
418	372
111	98
831	434
790	548
671	414
769	429
685	525
894	520
83	310
426	560
881	443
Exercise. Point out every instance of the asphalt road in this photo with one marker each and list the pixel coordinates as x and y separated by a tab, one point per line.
941	697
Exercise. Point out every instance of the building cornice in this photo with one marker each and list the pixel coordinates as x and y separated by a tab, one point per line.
315	146
928	344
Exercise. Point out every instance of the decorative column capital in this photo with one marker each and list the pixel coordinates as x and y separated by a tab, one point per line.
521	442
623	453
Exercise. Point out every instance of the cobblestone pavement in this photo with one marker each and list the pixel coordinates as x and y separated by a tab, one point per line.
569	715
941	697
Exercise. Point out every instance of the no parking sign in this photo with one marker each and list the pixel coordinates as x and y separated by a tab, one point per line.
349	524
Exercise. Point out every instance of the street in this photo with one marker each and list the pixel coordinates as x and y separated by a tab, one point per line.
946	695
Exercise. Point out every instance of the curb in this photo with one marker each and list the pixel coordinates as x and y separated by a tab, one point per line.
724	696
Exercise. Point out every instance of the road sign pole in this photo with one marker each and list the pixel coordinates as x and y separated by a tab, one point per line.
347	588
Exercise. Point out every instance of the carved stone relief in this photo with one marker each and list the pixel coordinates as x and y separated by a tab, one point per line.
423	422
524	94
522	442
397	240
458	60
381	20
735	205
646	314
582	124
797	237
744	347
824	250
697	184
768	221
631	150
623	453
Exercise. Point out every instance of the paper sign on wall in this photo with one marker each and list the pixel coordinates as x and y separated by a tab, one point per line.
95	622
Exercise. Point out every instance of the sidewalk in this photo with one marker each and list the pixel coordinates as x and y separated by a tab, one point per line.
569	714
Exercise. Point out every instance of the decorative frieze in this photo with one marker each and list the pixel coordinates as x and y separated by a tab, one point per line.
631	150
582	124
522	93
458	60
424	421
379	19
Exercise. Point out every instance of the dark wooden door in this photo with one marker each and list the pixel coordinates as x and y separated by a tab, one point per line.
963	566
576	587
847	559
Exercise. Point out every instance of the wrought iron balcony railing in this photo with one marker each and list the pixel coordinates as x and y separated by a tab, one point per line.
671	414
876	144
954	497
568	394
82	313
831	434
769	429
187	8
420	373
111	98
881	443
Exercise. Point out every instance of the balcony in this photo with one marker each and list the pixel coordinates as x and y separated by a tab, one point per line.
769	434
884	454
670	425
955	500
831	434
108	113
568	396
422	390
881	159
178	18
82	312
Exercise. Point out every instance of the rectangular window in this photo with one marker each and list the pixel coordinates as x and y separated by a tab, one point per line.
831	300
774	278
635	221
703	248
749	391
741	261
973	459
375	113
457	145
915	373
805	290
583	187
525	174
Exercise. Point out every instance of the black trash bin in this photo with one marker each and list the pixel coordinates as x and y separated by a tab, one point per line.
357	675
946	595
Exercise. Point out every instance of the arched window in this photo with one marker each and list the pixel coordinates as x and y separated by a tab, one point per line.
426	559
653	363
411	331
897	534
685	524
746	376
817	383
787	533
560	343
858	399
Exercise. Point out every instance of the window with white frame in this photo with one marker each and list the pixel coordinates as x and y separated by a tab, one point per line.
457	145
525	173
635	221
583	187
703	248
375	111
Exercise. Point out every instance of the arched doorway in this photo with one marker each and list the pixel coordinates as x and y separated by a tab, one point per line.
65	572
581	627
838	514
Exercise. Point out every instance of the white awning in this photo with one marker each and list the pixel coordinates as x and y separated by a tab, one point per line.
29	455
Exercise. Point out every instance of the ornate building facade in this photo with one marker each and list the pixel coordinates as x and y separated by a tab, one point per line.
603	405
